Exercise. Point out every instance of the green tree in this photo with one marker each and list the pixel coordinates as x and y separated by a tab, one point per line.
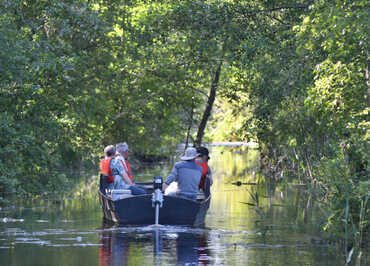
45	48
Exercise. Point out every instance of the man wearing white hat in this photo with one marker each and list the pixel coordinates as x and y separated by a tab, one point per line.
187	174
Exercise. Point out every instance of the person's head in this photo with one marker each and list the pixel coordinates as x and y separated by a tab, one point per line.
190	154
122	148
109	151
204	153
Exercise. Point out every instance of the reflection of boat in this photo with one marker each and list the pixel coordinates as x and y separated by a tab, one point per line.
138	210
192	249
113	249
116	243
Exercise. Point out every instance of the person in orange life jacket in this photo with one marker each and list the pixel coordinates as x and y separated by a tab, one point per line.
122	155
112	168
202	160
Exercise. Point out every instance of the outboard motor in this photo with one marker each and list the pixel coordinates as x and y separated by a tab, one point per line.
157	183
157	196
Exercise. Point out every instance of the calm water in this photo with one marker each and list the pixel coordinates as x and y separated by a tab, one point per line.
248	224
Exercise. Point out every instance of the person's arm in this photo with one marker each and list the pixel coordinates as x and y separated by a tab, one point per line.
171	178
123	173
209	176
126	178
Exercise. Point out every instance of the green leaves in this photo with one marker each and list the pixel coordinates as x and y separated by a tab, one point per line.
38	88
78	75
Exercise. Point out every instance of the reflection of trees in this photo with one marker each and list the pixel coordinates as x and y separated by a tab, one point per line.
288	206
279	205
235	164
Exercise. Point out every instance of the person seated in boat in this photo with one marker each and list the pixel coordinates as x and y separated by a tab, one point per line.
112	169
122	155
202	160
187	174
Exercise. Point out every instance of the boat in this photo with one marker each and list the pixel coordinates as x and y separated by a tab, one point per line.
126	209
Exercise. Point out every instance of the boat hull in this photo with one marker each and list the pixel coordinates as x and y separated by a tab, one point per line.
138	210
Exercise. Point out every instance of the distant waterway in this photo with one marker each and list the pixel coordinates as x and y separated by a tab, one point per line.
250	222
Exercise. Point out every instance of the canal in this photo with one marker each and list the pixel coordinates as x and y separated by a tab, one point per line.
250	222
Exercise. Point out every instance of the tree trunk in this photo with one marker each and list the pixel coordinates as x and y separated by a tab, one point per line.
208	110
190	124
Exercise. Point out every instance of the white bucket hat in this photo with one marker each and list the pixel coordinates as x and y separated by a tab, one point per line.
190	154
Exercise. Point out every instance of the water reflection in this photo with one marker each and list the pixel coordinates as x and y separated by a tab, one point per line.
192	249
114	248
247	224
171	245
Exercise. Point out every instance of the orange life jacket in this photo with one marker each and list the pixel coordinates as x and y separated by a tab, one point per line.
105	169
205	167
127	168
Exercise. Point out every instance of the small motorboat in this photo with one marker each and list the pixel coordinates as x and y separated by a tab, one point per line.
120	206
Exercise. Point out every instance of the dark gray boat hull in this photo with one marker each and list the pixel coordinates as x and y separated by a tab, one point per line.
138	210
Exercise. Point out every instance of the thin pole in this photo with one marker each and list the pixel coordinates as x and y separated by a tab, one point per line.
156	213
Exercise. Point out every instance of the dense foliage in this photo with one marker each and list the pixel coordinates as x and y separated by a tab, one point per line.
291	75
308	94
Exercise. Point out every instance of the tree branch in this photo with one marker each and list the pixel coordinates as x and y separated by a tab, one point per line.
282	7
254	12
